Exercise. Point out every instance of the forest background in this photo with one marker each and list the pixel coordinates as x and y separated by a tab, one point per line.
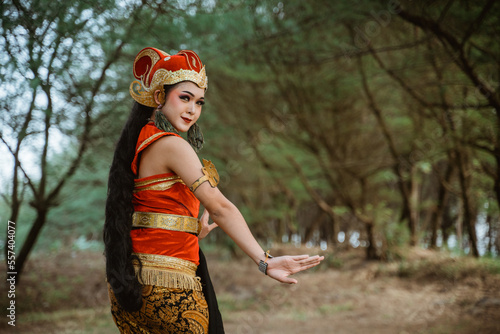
334	125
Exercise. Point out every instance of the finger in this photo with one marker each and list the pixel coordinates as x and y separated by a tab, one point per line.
205	216
308	266
311	259
303	267
288	280
212	226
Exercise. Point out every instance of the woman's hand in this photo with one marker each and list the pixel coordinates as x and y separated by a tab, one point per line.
205	227
281	267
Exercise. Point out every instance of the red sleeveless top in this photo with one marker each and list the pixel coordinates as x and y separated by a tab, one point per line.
162	193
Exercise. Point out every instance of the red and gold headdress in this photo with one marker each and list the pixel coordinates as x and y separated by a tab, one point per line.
154	68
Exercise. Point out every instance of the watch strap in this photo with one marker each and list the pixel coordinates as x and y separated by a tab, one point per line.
263	267
263	263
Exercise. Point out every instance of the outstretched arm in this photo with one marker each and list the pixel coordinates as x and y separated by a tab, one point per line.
181	159
229	218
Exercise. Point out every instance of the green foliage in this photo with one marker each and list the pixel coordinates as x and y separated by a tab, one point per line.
333	262
396	237
286	84
22	226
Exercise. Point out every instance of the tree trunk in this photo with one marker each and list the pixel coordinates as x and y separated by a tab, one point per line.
323	205
14	213
496	184
371	250
399	161
335	230
491	233
30	241
469	218
437	215
459	227
414	213
497	240
313	226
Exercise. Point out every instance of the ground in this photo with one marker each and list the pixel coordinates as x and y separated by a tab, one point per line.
426	292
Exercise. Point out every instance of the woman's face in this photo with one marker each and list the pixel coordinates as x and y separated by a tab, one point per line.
183	105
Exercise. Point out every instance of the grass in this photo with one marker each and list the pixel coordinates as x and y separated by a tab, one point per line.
327	309
77	321
74	300
451	269
227	303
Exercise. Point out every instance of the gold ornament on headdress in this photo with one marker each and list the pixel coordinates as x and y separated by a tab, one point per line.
155	68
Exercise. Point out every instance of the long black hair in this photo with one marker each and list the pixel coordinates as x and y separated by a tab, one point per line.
120	271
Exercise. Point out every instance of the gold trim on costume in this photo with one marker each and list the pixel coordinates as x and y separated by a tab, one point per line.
167	271
210	175
166	222
149	139
160	186
161	179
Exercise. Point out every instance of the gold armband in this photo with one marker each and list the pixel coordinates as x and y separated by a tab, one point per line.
210	175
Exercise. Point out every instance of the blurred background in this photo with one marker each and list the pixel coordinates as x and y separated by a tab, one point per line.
367	131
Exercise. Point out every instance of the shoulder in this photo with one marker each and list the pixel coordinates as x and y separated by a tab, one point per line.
172	144
173	150
175	154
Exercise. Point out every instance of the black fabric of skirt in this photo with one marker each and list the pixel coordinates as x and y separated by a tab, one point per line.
215	325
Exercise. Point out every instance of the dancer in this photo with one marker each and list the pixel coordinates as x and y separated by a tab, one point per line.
157	275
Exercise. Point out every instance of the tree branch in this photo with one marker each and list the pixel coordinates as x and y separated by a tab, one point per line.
477	22
314	195
18	163
88	119
459	58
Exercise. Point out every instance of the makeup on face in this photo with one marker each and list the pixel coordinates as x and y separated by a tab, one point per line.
183	105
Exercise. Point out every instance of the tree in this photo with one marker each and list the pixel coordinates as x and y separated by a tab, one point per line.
472	50
59	58
411	87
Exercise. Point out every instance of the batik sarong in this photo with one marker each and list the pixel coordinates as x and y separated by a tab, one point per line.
164	310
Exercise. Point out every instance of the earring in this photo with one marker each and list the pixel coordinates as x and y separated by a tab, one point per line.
195	137
162	123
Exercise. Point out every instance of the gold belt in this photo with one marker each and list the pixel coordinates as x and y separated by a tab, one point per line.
166	222
167	271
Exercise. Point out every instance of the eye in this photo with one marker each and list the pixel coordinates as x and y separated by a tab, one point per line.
200	103
185	97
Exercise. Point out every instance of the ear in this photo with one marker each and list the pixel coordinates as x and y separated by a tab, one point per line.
159	97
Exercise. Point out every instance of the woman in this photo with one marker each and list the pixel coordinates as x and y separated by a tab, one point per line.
157	276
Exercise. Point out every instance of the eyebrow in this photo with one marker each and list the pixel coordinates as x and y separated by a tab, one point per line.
188	92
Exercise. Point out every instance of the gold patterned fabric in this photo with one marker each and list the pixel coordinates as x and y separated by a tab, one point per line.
161	184
167	271
164	310
166	221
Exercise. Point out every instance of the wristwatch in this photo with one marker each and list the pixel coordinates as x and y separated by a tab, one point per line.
263	264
